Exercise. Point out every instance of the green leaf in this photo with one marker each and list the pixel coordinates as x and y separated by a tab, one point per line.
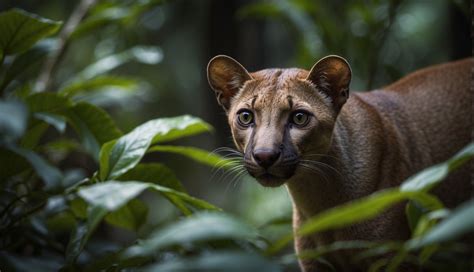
83	232
26	60
194	229
428	220
128	150
413	212
361	209
64	145
105	13
154	173
112	195
99	83
97	20
48	102
357	211
169	129
104	155
218	261
131	216
13	120
428	178
50	175
94	126
33	135
199	155
57	121
78	207
61	222
158	174
460	222
21	30
142	54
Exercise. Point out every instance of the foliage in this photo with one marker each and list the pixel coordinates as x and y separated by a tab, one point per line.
380	39
70	176
47	197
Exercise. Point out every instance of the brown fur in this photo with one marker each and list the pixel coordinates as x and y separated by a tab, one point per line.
373	141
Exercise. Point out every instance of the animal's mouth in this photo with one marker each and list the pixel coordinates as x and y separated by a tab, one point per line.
274	175
269	180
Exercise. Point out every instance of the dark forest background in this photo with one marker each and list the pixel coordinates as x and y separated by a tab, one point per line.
382	41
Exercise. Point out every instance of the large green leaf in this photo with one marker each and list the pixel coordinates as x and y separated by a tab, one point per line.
158	174
130	216
13	120
94	126
225	261
21	30
426	179
357	211
199	155
458	223
128	150
154	173
111	195
99	83
194	229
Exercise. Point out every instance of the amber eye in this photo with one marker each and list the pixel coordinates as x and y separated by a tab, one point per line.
300	118
245	117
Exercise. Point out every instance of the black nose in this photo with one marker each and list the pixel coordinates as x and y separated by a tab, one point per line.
266	157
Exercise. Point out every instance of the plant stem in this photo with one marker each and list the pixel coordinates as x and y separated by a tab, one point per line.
43	83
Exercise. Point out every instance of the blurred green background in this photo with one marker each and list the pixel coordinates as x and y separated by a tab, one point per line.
382	40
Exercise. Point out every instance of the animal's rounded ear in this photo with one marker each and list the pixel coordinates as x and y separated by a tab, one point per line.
332	76
226	76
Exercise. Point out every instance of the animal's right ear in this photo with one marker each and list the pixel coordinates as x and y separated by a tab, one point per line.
332	76
226	76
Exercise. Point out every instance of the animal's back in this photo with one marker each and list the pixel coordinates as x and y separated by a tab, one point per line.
439	101
387	135
430	112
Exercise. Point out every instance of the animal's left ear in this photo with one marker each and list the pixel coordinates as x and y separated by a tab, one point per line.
332	75
226	76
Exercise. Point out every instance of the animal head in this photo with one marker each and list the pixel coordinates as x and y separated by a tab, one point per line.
280	118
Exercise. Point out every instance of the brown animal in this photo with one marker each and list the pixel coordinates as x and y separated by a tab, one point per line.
302	129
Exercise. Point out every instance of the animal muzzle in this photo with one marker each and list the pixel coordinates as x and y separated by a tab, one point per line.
266	157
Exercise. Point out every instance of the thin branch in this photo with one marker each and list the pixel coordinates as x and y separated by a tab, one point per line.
43	82
12	223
